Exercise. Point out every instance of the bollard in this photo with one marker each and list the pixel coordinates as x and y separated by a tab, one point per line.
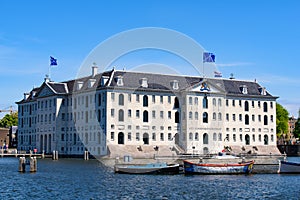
55	155
22	164
86	155
33	164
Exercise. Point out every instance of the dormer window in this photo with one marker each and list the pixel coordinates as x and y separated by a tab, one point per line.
79	85
120	81
144	83
104	80
262	91
244	89
33	94
91	83
175	85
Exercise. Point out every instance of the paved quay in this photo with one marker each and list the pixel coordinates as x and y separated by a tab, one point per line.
263	164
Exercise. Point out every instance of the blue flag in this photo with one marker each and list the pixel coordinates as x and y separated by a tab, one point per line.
208	57
53	61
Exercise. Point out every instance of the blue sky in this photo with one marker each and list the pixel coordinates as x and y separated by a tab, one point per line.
251	39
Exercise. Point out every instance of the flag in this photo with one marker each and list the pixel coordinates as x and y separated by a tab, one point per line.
53	61
217	74
208	57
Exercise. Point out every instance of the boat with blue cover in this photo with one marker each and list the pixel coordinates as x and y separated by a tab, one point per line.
286	167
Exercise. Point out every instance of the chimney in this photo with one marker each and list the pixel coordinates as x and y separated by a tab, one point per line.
94	69
47	79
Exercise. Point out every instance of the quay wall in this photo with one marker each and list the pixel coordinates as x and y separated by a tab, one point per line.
289	150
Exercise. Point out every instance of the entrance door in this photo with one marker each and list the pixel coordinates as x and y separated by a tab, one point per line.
146	138
247	139
121	138
266	140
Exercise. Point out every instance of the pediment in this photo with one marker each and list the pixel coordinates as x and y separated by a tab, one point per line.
45	91
207	86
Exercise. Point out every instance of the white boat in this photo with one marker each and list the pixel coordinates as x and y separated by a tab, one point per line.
286	167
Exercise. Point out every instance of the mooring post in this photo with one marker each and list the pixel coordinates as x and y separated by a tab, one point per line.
33	164
86	155
22	164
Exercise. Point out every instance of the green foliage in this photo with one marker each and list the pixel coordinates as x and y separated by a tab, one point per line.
9	120
282	118
297	129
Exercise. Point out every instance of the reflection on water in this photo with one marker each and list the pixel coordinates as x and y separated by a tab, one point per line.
79	179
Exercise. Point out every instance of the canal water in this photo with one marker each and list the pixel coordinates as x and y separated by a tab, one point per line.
79	179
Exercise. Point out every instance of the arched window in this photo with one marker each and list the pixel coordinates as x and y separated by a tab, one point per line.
215	137
220	137
196	100
205	117
266	140
214	102
265	107
120	138
176	103
246	119
196	116
145	116
145	101
121	115
146	138
121	99
220	116
246	106
205	102
247	139
177	117
196	136
190	100
191	136
190	115
99	115
220	102
214	116
265	120
205	138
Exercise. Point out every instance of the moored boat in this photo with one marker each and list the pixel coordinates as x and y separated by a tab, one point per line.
286	167
218	168
151	168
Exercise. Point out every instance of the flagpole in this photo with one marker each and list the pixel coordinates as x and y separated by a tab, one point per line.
49	71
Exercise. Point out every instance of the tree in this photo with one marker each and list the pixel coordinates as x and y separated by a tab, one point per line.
282	119
9	120
297	127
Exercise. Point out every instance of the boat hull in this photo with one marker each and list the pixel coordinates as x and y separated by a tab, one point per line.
288	167
147	169
202	168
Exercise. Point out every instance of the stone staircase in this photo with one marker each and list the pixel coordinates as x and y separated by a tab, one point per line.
258	150
139	151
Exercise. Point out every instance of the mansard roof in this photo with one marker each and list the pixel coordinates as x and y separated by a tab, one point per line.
155	82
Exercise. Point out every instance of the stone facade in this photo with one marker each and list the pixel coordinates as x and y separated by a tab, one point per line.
101	112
